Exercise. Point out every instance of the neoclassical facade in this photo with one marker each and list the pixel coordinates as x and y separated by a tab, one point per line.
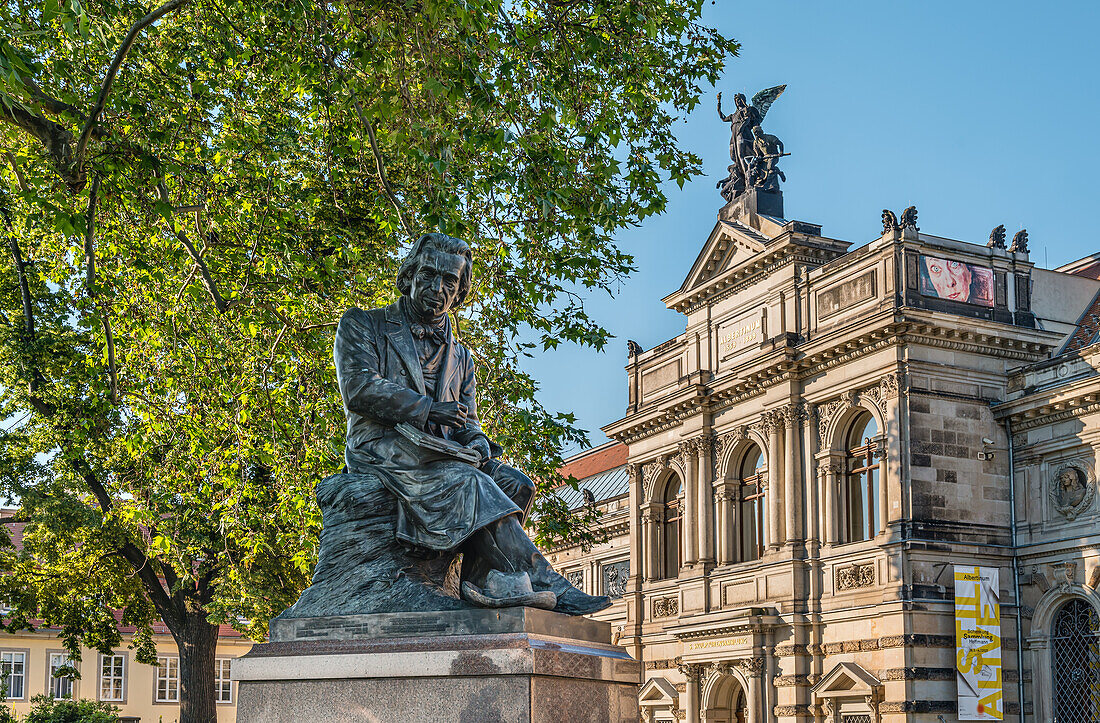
833	432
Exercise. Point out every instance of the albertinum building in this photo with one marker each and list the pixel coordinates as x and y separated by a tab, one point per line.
860	486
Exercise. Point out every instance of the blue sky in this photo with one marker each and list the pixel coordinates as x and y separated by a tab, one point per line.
979	113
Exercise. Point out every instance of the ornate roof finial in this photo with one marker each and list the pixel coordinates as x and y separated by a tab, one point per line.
1019	242
889	222
909	219
997	238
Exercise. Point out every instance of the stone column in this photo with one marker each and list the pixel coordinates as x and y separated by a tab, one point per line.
775	455
883	484
694	674
831	468
811	493
890	476
637	529
690	518
650	531
792	442
706	497
754	696
725	525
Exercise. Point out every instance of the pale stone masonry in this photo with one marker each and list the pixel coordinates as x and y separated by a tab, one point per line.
835	429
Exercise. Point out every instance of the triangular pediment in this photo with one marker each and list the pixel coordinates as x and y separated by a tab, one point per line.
728	245
658	692
846	679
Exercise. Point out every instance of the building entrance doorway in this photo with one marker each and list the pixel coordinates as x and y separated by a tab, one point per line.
726	702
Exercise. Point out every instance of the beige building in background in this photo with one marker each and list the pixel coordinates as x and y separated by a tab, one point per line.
832	433
143	693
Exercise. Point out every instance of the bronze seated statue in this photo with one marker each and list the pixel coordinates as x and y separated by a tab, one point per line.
425	516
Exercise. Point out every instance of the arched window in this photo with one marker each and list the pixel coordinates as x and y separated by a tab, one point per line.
861	481
750	498
1075	651
670	530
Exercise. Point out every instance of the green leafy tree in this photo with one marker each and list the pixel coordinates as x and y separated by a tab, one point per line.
190	198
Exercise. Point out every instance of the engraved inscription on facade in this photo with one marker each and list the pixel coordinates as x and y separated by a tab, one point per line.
845	295
740	334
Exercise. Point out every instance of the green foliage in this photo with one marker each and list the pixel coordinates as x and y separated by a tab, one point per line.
47	710
168	291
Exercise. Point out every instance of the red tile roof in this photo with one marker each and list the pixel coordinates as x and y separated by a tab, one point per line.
594	461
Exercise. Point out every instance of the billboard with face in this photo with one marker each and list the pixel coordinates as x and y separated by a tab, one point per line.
956	281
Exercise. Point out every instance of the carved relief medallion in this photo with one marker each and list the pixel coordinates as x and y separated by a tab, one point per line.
1071	489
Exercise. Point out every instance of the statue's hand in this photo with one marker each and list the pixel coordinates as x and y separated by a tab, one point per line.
448	414
482	446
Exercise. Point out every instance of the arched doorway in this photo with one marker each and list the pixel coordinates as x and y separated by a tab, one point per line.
1075	663
726	702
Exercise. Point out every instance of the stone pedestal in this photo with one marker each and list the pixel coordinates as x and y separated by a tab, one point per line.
514	665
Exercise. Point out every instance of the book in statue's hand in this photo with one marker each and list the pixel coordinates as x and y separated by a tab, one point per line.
438	445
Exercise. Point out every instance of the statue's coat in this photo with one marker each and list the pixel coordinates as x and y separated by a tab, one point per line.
441	502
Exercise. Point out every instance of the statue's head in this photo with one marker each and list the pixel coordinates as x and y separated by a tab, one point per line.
739	100
757	131
1069	478
435	276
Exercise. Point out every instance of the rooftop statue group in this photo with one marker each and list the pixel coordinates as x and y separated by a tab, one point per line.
754	154
425	516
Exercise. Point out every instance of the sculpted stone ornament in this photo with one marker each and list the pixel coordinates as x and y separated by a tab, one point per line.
1071	490
1019	242
754	155
997	238
410	502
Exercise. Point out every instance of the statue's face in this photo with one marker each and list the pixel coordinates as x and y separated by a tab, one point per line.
739	101
1069	479
435	285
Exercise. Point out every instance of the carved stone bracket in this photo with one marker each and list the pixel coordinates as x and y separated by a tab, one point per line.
855	576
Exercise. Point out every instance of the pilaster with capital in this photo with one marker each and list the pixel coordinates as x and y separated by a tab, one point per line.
694	675
773	426
690	463
831	468
704	447
792	416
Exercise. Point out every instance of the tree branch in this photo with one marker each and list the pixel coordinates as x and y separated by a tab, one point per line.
57	141
93	291
112	71
380	166
18	172
208	280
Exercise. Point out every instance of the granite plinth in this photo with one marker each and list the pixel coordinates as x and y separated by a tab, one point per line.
510	665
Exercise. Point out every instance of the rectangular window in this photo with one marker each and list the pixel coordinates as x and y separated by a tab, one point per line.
168	680
112	678
13	667
60	687
223	685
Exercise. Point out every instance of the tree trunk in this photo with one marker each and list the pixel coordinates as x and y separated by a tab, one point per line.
197	643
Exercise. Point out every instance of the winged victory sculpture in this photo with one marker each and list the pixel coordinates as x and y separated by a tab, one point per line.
754	155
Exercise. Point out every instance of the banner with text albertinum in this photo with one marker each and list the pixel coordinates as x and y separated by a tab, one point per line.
978	642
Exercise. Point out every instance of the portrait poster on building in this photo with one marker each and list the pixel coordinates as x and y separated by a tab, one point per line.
956	281
978	642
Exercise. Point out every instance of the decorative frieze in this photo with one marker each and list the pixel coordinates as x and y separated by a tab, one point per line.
917	674
856	576
575	578
790	681
788	649
792	710
666	607
912	640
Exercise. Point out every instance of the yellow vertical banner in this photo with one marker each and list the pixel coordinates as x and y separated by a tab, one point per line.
978	643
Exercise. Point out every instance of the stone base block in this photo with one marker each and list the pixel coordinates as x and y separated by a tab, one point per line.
516	665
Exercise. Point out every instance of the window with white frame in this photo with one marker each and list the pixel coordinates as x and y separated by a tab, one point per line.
112	678
13	668
168	679
60	686
223	684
